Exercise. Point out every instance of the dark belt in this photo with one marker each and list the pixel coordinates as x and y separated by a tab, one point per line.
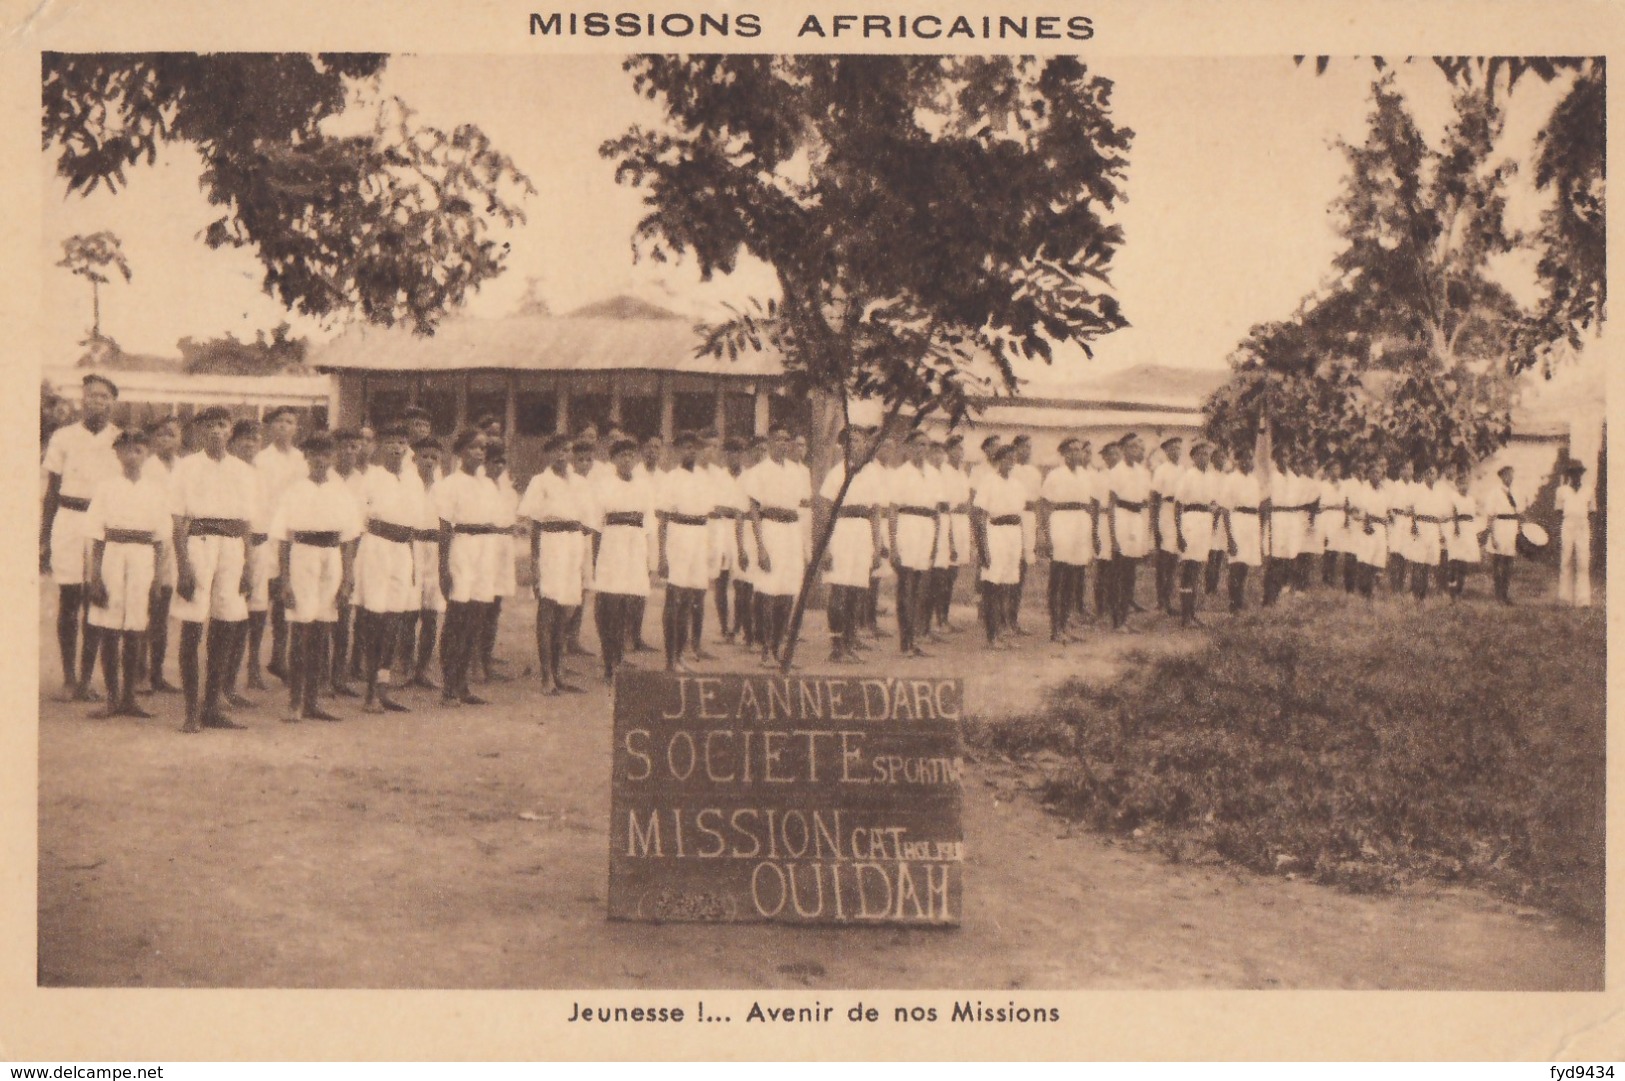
1462	518
1243	510
1130	505
1195	508
1430	518
72	502
779	514
918	512
1005	519
1507	517
681	519
961	508
1068	506
129	536
391	531
725	512
316	538
476	530
1398	513
854	512
1030	507
432	535
1294	509
559	526
624	518
258	538
217	527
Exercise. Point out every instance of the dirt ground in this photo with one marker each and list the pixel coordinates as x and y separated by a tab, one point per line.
467	848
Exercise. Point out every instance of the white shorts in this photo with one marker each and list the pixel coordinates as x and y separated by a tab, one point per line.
558	571
784	550
1197	526
127	571
385	575
1249	541
1072	537
723	548
915	534
69	548
314	574
264	567
473	576
504	565
1374	546
217	572
688	555
426	560
851	553
1133	534
1004	555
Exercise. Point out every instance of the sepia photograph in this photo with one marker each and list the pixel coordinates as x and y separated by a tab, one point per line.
814	522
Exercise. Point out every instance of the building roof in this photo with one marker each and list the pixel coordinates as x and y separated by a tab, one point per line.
617	335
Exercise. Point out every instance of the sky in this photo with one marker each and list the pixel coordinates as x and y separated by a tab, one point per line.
1232	168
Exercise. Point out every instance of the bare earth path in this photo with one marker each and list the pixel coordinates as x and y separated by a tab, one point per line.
467	849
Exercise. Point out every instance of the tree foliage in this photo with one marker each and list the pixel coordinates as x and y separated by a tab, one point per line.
394	224
1571	164
1401	354
929	219
225	355
918	212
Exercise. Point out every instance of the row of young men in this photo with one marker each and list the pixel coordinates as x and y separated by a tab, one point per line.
1197	521
227	534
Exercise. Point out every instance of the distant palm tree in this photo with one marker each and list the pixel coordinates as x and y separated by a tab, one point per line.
91	257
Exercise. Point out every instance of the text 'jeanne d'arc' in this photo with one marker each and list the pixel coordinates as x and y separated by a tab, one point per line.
818	698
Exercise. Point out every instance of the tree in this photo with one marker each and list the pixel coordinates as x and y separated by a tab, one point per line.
1401	353
1571	163
92	257
929	219
393	224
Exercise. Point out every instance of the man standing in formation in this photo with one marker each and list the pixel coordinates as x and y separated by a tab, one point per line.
79	458
776	491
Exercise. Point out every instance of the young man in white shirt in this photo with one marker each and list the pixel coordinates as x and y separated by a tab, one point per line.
1575	506
777	490
78	459
855	547
1195	499
560	544
314	531
1241	501
215	497
279	465
683	504
127	525
1504	514
163	440
1066	535
423	617
1165	547
1129	524
391	511
467	504
626	512
996	522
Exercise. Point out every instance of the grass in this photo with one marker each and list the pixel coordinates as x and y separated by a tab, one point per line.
1366	747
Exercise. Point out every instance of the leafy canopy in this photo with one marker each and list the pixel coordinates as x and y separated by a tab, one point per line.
394	224
921	214
1402	353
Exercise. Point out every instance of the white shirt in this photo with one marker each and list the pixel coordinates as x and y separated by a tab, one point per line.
464	499
120	503
205	488
386	497
308	507
1575	507
82	458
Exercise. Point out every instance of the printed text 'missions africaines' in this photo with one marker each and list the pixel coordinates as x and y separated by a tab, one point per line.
868	27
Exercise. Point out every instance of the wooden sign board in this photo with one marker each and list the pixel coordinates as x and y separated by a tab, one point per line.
796	799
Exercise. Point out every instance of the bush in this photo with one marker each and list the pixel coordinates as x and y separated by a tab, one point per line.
1362	746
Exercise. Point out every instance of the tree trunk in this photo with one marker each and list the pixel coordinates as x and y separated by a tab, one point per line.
95	309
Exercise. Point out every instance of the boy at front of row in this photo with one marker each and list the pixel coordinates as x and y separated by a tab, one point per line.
127	524
314	530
